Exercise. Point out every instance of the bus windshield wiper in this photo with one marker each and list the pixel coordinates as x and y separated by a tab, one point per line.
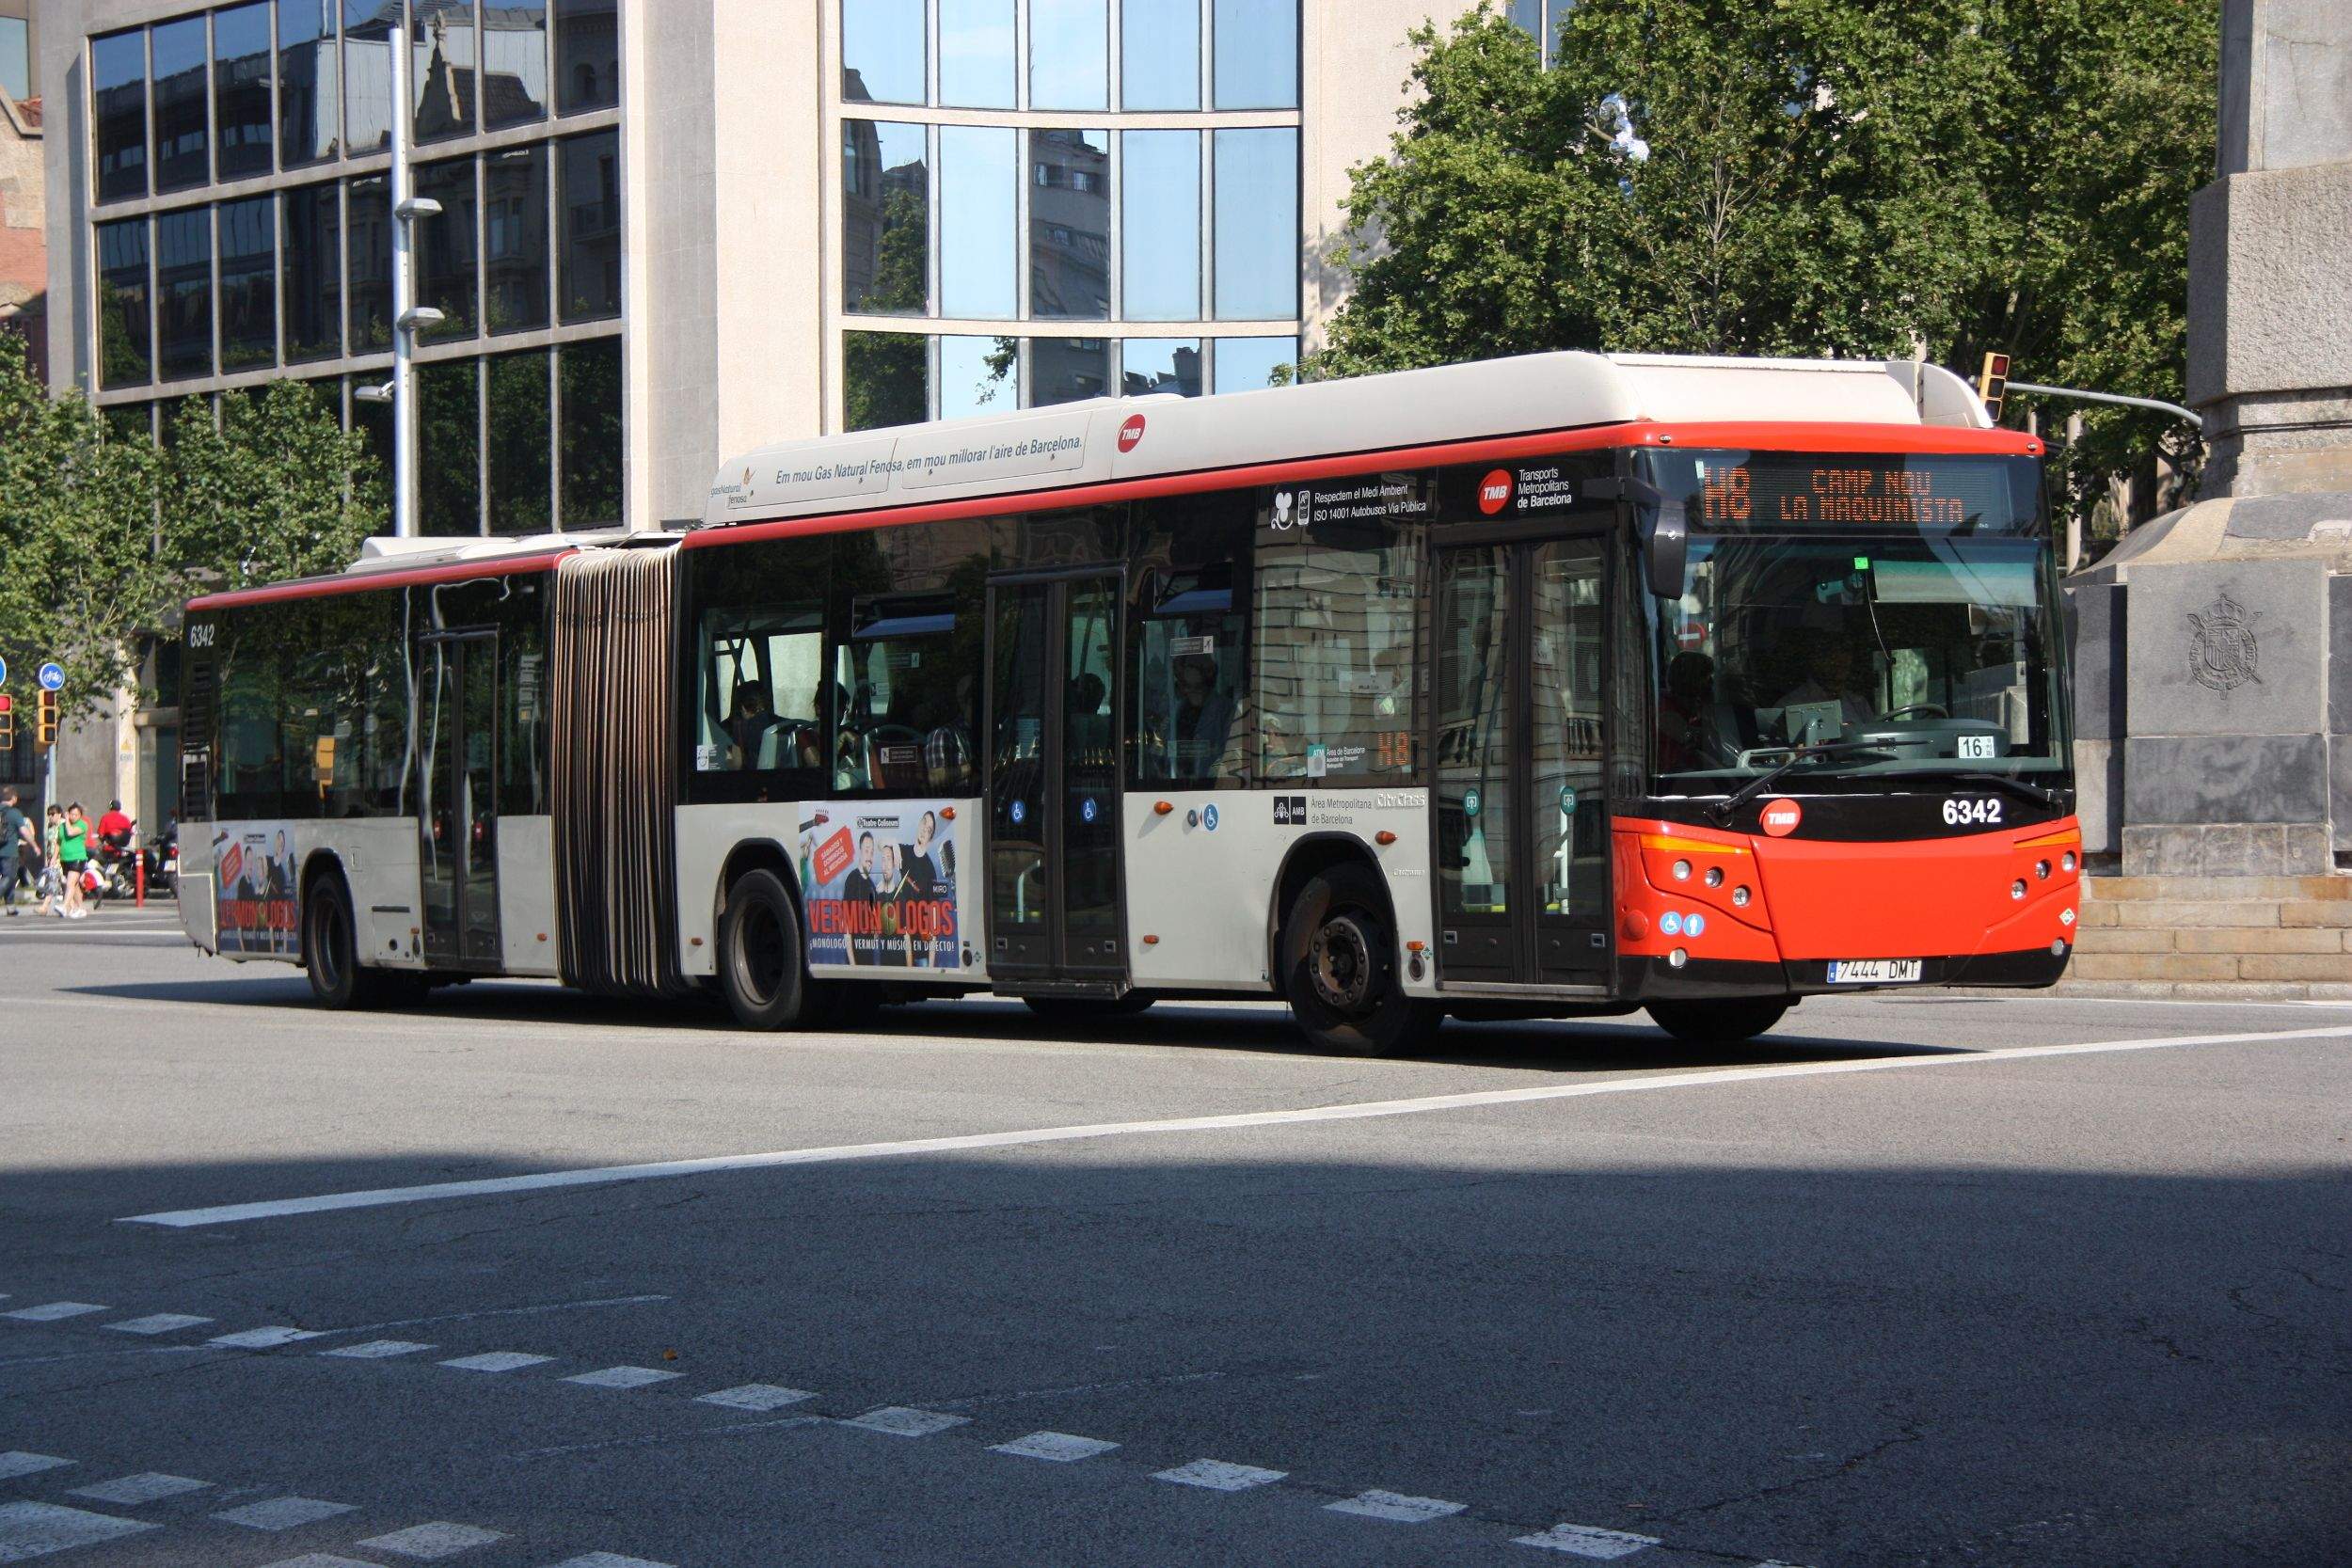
2033	792
1724	810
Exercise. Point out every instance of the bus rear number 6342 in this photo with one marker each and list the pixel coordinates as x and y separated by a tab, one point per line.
1985	812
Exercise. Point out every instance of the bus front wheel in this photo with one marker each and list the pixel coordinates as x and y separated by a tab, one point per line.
1726	1022
759	953
330	955
1339	968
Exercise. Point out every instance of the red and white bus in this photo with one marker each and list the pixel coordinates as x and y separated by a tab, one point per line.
1558	685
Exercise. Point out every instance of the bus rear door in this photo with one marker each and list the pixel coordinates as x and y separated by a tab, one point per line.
457	818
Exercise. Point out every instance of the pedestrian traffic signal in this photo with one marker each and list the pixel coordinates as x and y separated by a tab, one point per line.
1992	384
7	729
45	721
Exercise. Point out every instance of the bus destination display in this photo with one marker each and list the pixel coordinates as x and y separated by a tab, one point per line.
1793	492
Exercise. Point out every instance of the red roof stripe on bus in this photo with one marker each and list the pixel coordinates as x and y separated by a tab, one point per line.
1752	435
320	588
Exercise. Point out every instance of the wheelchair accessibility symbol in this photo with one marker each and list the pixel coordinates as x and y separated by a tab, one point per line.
1020	811
1087	809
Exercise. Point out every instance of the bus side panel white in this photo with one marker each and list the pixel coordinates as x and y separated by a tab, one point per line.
527	895
193	891
379	861
706	834
1201	876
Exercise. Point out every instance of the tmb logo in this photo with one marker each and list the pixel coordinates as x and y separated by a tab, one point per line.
1781	818
1494	492
1131	434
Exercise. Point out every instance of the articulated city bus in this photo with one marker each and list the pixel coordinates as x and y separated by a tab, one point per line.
1559	686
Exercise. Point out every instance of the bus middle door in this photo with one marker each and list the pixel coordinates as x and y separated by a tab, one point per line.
457	812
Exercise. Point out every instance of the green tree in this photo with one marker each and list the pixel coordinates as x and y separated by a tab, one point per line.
1811	177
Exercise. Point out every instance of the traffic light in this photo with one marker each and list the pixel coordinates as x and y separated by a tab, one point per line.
45	721
8	723
1992	384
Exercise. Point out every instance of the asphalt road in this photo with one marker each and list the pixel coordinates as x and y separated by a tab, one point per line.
1899	1285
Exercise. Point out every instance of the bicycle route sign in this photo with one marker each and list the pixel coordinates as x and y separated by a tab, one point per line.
52	677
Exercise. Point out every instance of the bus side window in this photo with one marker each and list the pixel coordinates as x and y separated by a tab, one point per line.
1189	678
760	705
906	696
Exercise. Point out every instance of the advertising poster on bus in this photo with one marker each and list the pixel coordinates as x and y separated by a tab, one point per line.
253	869
878	880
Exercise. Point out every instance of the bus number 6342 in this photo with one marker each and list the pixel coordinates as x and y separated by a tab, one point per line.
1963	814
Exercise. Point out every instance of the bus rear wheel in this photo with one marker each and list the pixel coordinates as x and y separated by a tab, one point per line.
1339	968
1726	1022
759	954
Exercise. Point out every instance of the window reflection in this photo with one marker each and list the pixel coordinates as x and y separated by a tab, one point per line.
1150	366
589	387
306	81
180	158
1248	364
313	274
444	248
368	74
975	66
249	283
241	90
884	380
184	294
16	60
1069	54
979	375
514	238
125	334
1160	224
885	218
587	55
513	62
449	447
441	68
520	477
1159	54
978	243
119	106
1068	370
591	219
1257	228
881	51
1257	53
368	264
1069	223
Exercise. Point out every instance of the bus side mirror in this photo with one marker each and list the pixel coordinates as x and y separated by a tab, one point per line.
1665	534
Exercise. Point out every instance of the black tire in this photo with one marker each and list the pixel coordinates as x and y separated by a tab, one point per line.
761	970
1339	968
1079	1009
1726	1022
330	956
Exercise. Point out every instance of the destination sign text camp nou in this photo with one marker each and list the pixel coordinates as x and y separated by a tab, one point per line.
1834	490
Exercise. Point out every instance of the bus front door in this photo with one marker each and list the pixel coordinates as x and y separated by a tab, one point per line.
457	803
1522	828
1054	904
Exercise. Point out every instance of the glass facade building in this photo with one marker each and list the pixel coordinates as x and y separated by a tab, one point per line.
240	232
1045	201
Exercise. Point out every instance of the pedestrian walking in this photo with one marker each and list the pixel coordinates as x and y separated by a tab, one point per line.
17	843
74	841
52	877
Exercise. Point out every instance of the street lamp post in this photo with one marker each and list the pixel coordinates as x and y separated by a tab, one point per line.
409	317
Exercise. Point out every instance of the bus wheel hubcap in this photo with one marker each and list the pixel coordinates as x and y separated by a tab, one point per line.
1341	962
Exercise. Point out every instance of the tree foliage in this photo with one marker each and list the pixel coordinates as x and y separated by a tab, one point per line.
103	536
1799	176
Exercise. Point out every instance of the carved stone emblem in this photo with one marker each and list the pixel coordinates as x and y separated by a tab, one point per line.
2222	648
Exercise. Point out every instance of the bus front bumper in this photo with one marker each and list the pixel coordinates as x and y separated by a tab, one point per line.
1648	978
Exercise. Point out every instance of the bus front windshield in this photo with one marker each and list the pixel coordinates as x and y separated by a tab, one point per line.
1896	613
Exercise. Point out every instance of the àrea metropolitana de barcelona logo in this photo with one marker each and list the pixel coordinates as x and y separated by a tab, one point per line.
2222	648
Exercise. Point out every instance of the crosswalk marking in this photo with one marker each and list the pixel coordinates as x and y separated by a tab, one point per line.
16	1462
1395	1507
282	1513
36	1530
375	1350
432	1542
159	1322
1219	1476
1589	1541
900	1421
53	1311
1059	1447
755	1395
498	1361
265	1339
146	1487
623	1377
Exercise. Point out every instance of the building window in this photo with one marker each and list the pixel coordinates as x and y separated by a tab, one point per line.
184	294
313	272
125	336
16	58
1069	369
306	94
513	63
448	447
1070	55
1257	53
884	379
1159	54
976	54
442	76
978	246
241	121
118	109
367	76
182	159
1160	224
587	55
1155	365
591	210
520	465
514	238
444	248
1069	225
249	283
885	218
979	375
590	386
1257	225
368	263
883	58
1248	364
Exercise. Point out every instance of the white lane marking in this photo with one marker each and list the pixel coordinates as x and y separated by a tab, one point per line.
16	1462
1395	1507
899	1421
498	1312
36	1530
432	1542
282	1513
624	1377
757	1396
1219	1476
159	1322
1591	1541
1061	1447
375	1350
266	1339
146	1487
605	1175
609	1559
53	1311
321	1559
498	1361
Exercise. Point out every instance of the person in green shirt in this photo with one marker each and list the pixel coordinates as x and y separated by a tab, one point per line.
74	858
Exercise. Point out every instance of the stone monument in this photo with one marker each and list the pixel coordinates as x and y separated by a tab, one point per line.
2214	646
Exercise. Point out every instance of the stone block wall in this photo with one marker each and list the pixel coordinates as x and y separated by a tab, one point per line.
2191	933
